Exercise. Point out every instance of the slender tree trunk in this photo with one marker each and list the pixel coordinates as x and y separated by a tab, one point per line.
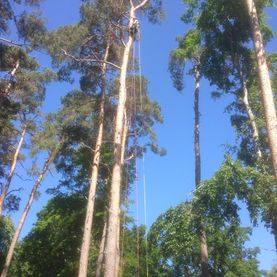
25	213
251	116
12	169
202	236
266	90
12	74
83	267
100	259
112	250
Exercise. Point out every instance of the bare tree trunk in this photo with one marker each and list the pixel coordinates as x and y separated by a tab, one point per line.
100	259
202	236
25	213
12	169
83	267
112	250
255	132
124	139
266	90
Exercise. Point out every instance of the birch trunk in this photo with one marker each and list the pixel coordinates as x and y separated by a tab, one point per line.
83	267
202	236
266	90
12	169
25	213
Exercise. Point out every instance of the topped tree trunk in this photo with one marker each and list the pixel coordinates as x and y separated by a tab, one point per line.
112	252
204	257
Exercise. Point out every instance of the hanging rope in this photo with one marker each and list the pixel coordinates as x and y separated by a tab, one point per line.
143	165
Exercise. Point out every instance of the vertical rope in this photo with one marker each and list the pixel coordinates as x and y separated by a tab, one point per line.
143	167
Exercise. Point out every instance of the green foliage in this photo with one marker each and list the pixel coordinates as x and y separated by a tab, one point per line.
189	49
6	233
51	248
174	246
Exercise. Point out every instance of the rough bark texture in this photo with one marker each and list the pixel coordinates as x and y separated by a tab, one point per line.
266	90
12	169
83	267
202	235
100	259
25	213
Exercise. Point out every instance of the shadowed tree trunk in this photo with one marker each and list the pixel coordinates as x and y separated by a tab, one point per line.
12	169
25	212
202	235
265	84
83	267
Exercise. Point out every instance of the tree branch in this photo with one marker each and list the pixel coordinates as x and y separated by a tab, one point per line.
139	6
11	42
89	60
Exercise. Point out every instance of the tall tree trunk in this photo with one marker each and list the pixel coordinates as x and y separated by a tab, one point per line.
202	235
83	267
12	169
100	259
124	140
266	90
25	213
112	247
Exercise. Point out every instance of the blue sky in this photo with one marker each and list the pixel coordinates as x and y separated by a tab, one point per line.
170	179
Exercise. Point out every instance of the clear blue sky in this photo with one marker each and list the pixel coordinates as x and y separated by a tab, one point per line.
170	179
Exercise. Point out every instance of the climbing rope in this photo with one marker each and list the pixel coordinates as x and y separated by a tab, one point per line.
143	165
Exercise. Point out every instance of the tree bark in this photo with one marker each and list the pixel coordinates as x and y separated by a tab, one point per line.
25	213
266	90
251	116
12	74
12	169
202	235
112	254
100	259
83	266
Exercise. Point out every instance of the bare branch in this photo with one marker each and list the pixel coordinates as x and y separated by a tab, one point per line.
139	6
89	60
11	42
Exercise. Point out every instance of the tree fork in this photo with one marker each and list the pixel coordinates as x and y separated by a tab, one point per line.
265	84
12	169
83	265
